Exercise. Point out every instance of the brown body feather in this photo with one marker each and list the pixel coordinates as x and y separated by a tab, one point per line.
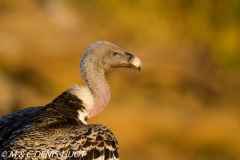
57	130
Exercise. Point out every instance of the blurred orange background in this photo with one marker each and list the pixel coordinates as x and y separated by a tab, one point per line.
184	105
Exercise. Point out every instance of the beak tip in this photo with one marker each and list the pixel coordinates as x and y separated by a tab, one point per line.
136	64
139	69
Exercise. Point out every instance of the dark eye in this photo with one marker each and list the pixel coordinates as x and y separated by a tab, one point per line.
114	54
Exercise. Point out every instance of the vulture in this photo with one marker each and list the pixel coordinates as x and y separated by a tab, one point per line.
59	130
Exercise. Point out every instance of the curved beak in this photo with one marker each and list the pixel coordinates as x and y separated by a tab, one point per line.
134	62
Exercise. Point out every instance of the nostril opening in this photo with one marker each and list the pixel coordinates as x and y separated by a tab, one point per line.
129	56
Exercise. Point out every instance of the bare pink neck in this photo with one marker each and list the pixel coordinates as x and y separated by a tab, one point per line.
101	94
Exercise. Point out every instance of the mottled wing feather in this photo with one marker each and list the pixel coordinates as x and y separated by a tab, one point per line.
85	142
100	143
12	122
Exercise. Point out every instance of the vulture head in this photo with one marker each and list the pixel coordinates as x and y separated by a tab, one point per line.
104	55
